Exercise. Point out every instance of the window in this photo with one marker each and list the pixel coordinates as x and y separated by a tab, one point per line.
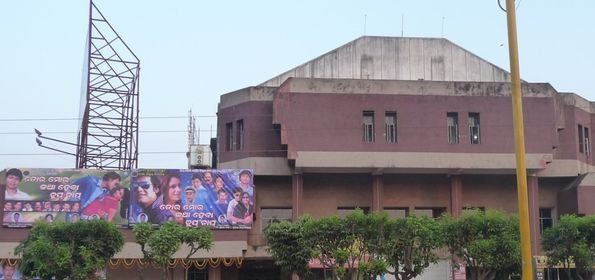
397	212
274	215
240	141
474	134
390	119
343	212
432	212
545	219
229	137
452	122
368	126
583	140
587	144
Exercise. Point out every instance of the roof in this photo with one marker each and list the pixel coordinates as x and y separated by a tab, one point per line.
397	58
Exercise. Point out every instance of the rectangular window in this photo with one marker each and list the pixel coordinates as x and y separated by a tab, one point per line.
397	212
474	132
240	137
452	122
581	142
390	119
545	219
343	212
432	212
274	215
584	146
368	126
229	137
587	144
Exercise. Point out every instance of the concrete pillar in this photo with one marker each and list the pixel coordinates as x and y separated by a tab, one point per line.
533	194
377	192
297	196
215	273
456	195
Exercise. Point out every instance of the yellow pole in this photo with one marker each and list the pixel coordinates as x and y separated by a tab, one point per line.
519	137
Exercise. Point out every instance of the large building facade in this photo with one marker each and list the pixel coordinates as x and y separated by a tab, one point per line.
405	125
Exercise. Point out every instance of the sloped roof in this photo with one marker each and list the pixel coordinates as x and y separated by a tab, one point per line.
397	58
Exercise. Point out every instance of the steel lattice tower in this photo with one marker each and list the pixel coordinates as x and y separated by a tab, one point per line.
108	135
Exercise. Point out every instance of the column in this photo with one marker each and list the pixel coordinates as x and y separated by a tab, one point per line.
533	194
377	192
297	196
456	195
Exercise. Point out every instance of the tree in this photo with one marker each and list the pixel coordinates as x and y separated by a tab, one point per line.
372	234
330	240
68	250
288	246
159	245
360	246
336	244
488	243
572	241
411	245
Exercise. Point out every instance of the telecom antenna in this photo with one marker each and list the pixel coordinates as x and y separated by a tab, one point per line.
108	134
402	24
192	134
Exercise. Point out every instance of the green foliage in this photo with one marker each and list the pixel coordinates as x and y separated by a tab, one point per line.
360	246
197	239
164	242
333	243
411	244
572	240
69	250
488	243
288	246
159	245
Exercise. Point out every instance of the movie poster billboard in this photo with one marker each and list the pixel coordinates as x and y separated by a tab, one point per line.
194	198
64	195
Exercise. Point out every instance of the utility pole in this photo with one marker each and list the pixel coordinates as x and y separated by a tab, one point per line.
519	137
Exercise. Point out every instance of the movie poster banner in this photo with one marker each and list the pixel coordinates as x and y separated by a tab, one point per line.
64	195
196	198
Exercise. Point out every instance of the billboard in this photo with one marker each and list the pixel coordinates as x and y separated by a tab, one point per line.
195	198
64	195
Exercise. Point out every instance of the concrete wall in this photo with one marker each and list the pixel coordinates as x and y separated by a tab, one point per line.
261	139
415	190
326	115
397	58
323	193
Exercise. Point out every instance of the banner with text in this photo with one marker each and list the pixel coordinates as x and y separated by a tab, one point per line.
64	195
195	198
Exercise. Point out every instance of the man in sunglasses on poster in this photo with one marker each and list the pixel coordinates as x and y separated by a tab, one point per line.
147	190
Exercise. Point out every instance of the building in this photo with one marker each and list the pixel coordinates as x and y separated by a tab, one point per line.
406	125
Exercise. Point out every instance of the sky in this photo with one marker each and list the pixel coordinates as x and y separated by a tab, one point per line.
192	52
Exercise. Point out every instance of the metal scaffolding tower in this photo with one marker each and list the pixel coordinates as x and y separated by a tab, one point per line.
108	134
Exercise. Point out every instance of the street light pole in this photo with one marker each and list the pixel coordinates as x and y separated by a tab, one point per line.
519	137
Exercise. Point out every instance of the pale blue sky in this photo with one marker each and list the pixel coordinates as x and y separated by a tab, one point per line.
191	52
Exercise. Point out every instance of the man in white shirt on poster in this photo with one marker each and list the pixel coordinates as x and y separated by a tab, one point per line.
13	178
